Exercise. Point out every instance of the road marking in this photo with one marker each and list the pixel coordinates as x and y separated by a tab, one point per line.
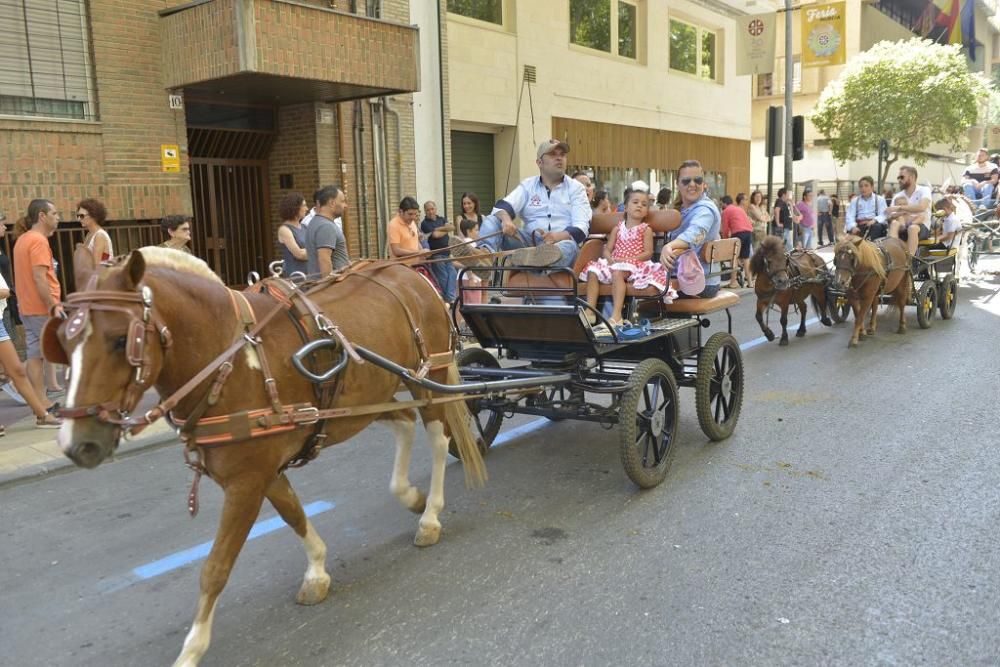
523	429
763	339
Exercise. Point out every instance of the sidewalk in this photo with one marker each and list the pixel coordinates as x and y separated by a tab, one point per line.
27	452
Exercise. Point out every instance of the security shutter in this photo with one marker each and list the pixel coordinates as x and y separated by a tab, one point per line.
472	168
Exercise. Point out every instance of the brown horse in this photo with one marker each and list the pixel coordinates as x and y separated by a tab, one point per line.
786	278
160	317
863	271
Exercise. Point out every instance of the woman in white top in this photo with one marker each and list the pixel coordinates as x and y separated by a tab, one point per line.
92	214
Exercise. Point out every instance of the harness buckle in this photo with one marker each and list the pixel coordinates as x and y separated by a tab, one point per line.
324	324
251	339
313	411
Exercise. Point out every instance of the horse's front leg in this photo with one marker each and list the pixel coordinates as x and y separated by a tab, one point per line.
761	307
240	509
873	317
802	322
857	308
316	582
784	322
402	423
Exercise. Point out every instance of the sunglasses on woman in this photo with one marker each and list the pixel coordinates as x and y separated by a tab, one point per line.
698	180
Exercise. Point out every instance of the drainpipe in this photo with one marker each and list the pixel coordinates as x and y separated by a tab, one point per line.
399	147
444	161
359	167
381	173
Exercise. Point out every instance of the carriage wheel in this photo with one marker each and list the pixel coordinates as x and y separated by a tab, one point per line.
926	303
486	421
949	298
973	254
839	308
648	420
718	387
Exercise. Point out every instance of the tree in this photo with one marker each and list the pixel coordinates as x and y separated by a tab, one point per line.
912	93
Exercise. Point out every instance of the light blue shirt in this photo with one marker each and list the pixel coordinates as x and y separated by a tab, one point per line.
563	208
860	208
700	223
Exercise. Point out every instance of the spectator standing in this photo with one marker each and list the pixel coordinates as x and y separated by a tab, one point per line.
292	235
178	229
404	237
37	287
758	217
92	214
783	219
736	224
808	220
835	215
470	210
326	247
824	216
437	229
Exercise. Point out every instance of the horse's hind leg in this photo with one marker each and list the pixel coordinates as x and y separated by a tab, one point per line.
429	528
822	304
316	582
802	322
403	425
761	307
239	510
784	323
873	319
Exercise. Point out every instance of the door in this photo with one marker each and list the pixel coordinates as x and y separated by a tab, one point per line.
231	230
472	168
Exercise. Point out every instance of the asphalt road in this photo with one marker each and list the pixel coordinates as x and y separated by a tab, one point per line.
851	519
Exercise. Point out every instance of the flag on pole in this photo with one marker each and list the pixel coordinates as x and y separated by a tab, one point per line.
755	42
950	22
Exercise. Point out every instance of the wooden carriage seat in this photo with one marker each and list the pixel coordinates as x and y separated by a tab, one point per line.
600	226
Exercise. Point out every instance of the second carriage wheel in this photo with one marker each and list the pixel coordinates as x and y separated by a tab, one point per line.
948	298
926	304
486	422
839	308
718	387
647	418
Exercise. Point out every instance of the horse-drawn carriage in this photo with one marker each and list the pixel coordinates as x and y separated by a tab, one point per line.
982	237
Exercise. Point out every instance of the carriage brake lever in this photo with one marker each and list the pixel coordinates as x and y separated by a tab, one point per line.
308	349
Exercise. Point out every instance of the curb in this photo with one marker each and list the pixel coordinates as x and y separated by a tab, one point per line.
47	462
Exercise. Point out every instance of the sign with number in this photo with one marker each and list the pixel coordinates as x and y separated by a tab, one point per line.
176	101
170	157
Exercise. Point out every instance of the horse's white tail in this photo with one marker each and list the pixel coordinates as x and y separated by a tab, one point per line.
458	418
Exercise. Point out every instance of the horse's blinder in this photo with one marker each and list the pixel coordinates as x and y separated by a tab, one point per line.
137	351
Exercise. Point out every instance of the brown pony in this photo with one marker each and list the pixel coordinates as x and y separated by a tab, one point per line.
786	278
192	319
863	271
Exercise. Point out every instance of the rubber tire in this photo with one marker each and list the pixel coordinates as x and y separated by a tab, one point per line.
926	303
646	477
708	379
838	315
477	356
948	299
973	255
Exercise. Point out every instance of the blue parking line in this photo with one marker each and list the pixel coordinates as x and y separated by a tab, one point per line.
196	553
523	429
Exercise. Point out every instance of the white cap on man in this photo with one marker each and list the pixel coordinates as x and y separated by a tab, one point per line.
550	145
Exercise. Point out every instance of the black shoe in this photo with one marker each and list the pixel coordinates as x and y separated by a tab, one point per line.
54	408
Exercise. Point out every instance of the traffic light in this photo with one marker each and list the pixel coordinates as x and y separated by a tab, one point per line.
774	138
798	133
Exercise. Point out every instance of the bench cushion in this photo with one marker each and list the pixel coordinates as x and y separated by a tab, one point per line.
724	299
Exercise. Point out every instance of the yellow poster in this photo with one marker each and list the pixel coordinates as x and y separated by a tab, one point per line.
170	157
824	34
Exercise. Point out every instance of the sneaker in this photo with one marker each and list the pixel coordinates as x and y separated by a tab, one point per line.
48	421
536	256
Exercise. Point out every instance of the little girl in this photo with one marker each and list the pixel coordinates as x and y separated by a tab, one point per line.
627	256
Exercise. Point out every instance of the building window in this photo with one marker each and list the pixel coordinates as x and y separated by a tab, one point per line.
765	82
591	25
45	61
490	11
694	50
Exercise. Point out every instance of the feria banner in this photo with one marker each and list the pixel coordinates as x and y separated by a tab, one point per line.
824	34
755	44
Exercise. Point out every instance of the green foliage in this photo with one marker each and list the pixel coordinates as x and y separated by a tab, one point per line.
683	47
913	93
484	10
590	24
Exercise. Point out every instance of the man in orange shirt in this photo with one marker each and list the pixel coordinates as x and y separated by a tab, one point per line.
404	236
35	279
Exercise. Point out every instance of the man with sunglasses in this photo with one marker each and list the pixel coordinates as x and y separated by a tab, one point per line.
554	211
700	223
911	228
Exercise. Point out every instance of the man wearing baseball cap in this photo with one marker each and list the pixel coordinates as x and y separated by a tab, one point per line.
554	213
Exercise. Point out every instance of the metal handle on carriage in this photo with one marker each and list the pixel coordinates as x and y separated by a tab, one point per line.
308	349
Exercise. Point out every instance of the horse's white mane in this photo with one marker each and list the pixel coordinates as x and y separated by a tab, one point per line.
180	261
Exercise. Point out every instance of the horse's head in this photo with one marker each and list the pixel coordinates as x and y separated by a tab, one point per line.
774	262
114	345
845	262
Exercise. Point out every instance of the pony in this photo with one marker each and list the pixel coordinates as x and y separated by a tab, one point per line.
786	278
864	270
161	318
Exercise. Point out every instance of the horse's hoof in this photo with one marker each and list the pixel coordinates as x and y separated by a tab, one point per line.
901	330
783	342
313	591
419	504
826	321
427	537
852	343
769	335
800	334
870	332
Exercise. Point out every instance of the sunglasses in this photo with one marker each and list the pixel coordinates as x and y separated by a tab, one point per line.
81	216
901	178
698	180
